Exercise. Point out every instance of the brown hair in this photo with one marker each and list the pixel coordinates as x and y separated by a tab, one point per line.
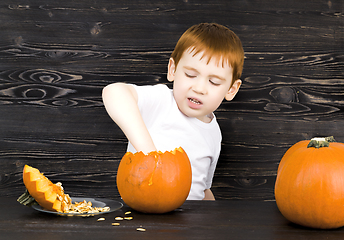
214	40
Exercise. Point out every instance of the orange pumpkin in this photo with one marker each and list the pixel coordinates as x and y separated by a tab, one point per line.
154	183
48	195
309	188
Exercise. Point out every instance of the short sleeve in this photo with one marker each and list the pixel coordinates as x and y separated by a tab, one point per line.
151	101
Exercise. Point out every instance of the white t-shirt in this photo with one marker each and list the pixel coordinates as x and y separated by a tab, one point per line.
170	128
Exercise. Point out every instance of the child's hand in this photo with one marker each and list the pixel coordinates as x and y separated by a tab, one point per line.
208	195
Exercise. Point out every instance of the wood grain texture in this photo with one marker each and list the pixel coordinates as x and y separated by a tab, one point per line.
56	56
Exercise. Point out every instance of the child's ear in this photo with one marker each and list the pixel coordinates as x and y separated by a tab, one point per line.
233	90
171	70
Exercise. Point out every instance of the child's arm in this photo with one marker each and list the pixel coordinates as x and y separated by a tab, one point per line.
120	101
208	195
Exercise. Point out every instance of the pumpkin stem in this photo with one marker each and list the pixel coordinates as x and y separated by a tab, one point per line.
319	142
26	199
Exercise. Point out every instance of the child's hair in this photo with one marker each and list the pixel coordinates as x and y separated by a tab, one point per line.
214	40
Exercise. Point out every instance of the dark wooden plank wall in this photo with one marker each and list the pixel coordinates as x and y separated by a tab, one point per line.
56	56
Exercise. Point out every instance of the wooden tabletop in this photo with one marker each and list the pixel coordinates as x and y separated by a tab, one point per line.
221	219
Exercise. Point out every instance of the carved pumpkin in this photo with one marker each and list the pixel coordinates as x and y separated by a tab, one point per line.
48	195
154	183
309	188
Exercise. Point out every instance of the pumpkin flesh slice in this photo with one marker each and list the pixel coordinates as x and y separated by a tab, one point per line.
42	189
51	196
47	199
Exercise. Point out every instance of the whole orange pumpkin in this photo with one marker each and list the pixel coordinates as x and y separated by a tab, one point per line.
309	188
154	183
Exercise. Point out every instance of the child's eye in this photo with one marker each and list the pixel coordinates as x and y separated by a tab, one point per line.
189	75
214	83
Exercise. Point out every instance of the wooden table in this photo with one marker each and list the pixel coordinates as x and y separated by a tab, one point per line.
222	219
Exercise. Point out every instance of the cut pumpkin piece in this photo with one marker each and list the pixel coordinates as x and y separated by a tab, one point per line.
39	189
48	195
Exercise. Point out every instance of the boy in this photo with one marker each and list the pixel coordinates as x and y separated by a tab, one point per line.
205	68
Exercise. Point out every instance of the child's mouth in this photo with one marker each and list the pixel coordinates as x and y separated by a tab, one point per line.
195	101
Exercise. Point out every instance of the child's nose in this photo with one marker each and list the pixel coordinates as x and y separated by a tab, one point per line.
200	86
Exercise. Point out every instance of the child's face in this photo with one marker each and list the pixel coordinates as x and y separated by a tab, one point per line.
199	88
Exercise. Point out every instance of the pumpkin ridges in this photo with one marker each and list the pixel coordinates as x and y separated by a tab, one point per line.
283	185
301	171
290	151
46	197
29	177
40	185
